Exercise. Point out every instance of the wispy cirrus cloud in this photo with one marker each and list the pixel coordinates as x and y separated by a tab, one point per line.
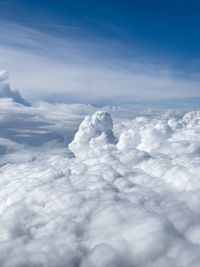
82	70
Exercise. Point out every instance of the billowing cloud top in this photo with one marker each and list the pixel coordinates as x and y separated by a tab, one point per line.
98	125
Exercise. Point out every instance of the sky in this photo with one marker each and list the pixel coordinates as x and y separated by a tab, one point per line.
100	182
101	52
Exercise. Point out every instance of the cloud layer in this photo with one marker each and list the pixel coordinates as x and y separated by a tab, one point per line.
128	196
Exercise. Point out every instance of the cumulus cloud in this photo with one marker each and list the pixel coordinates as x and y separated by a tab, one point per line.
45	126
99	125
128	196
7	92
36	129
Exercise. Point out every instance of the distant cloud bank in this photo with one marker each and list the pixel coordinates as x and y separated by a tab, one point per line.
7	92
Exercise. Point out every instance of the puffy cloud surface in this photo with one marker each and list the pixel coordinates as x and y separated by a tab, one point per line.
128	194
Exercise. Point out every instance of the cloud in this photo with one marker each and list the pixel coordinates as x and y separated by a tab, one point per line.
36	129
92	127
6	92
129	196
73	69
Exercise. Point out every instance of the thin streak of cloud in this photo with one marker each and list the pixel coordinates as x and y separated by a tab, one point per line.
51	26
43	65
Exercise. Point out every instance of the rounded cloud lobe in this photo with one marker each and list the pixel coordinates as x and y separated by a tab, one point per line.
129	197
98	126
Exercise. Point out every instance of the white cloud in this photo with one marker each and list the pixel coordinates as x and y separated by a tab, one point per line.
128	201
36	129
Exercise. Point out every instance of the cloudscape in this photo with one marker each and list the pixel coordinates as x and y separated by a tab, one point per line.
99	133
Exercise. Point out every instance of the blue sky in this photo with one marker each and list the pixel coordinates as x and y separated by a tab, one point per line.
101	51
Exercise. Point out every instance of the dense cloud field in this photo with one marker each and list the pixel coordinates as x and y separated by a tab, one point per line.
123	192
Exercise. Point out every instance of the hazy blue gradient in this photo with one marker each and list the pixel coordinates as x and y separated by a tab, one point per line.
101	51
